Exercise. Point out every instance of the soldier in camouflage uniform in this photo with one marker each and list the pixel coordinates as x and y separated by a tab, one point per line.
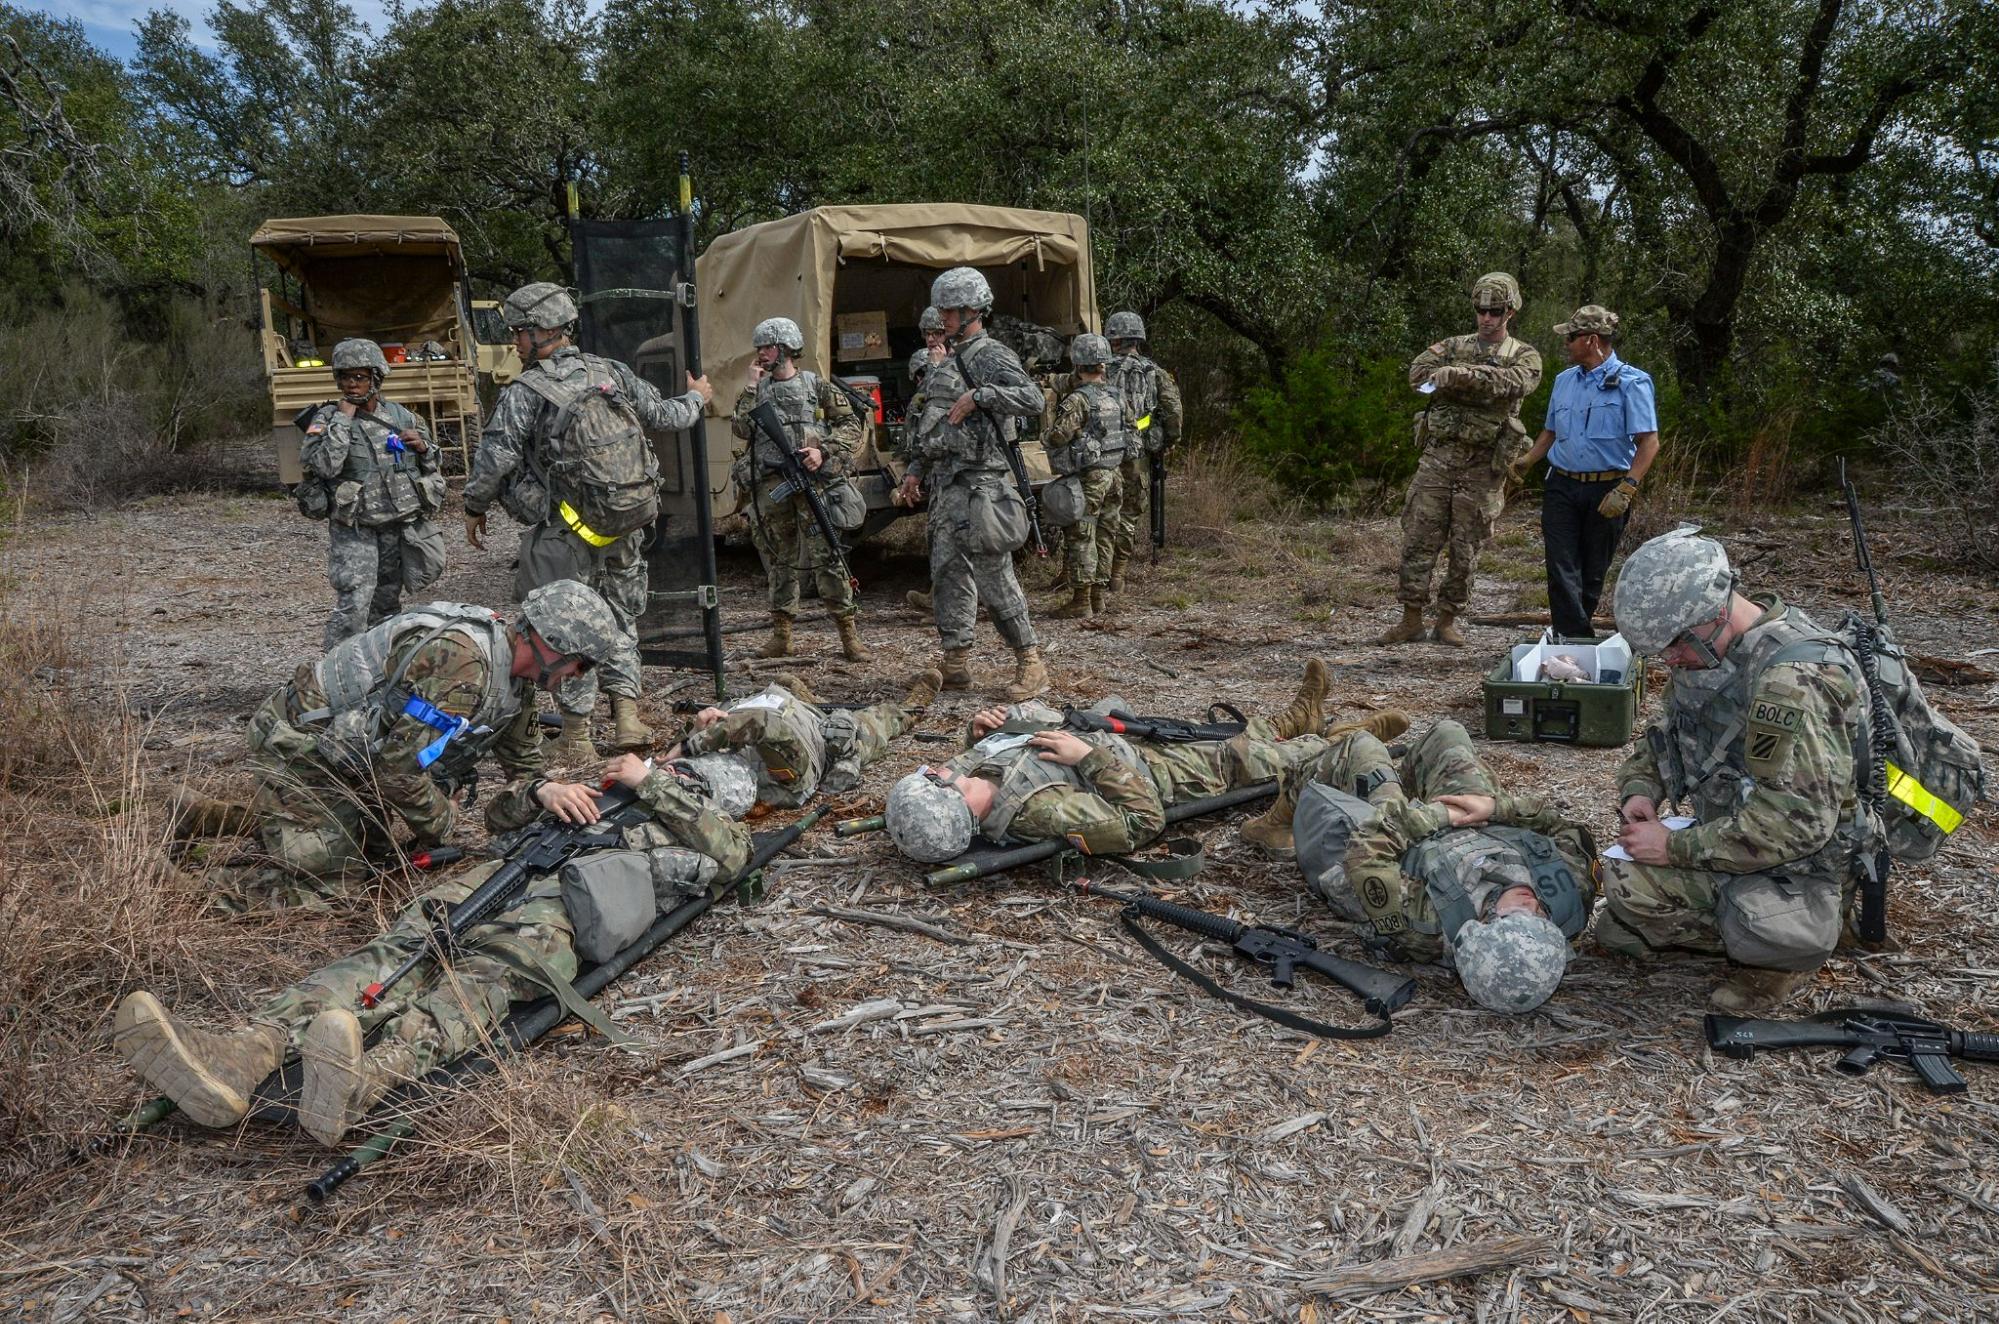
1471	435
375	473
515	466
931	324
1103	793
1757	740
826	432
803	747
1151	399
434	1015
1085	447
972	403
1494	883
388	725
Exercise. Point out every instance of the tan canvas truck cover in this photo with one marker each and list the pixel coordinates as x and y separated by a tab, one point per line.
837	260
390	279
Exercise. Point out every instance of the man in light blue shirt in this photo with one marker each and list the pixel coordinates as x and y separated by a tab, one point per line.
1602	434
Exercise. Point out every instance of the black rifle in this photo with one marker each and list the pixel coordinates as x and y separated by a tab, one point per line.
1872	922
1166	730
1014	459
802	481
541	847
1283	950
1156	490
1867	1035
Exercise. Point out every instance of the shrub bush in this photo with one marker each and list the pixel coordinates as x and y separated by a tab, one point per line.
1335	431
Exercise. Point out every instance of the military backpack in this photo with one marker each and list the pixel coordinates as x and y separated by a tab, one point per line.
602	476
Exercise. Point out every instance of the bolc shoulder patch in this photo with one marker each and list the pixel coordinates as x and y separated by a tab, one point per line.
1773	726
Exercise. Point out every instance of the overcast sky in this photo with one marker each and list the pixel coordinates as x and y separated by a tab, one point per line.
110	23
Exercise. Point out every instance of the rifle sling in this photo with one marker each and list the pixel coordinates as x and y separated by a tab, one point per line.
1288	1019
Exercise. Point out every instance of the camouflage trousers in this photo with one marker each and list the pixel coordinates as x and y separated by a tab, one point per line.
1204	768
442	1013
1091	541
1758	919
550	552
1134	487
1454	500
371	569
961	577
787	538
854	738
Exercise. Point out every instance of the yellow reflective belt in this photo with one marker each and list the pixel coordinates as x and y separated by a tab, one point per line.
579	528
1922	800
1143	423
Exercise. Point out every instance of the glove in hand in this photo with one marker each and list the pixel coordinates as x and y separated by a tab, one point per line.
1618	499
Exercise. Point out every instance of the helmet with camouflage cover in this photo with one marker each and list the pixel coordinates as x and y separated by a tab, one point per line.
930	319
962	287
573	619
1125	326
927	820
543	305
1496	289
1089	351
730	782
1669	585
358	353
1512	963
778	331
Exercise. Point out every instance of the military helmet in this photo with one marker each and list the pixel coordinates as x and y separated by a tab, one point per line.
778	331
1089	351
543	305
729	781
357	353
1669	585
927	820
1125	326
573	619
961	287
1496	289
1512	963
930	320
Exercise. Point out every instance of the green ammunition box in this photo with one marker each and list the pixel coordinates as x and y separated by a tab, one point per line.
1599	711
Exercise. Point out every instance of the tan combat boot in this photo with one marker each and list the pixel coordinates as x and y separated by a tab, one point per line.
1410	630
796	683
1030	675
917	600
572	749
208	1076
1303	717
923	690
1117	571
851	646
343	1081
195	815
1384	726
957	668
1751	988
1096	599
1078	607
1447	631
632	734
1270	832
779	643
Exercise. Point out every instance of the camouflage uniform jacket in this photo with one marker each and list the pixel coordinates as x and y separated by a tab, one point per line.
509	465
1088	432
788	734
1005	394
814	411
1481	403
1762	752
369	486
454	674
681	818
1408	846
1151	399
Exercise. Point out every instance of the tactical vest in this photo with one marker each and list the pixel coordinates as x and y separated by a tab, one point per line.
797	403
1135	378
1441	862
1449	420
1704	763
976	442
1016	766
362	678
387	488
1100	443
789	764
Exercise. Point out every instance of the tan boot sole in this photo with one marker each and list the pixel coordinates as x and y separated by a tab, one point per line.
328	1100
145	1036
1286	850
